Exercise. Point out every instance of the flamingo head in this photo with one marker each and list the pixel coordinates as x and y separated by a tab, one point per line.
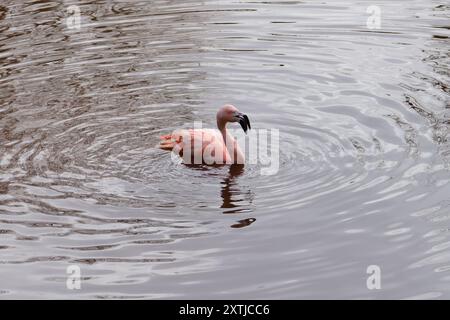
229	113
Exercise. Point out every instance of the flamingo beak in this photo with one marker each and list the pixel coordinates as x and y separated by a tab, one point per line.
244	122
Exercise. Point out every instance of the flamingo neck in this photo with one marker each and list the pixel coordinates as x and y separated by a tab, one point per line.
222	126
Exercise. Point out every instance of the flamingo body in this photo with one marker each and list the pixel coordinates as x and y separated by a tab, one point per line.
209	146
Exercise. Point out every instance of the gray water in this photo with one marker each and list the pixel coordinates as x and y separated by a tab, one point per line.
364	161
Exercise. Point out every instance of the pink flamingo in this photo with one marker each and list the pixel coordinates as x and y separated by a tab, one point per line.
209	146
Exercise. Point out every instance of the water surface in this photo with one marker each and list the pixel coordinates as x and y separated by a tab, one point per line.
364	163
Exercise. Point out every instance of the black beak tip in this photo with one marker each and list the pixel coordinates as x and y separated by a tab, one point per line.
248	121
245	123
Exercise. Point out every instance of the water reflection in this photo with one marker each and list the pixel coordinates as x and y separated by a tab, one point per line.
235	197
230	190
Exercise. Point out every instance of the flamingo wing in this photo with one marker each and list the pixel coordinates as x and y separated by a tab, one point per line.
205	145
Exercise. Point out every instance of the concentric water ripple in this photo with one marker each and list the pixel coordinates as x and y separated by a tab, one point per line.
363	161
